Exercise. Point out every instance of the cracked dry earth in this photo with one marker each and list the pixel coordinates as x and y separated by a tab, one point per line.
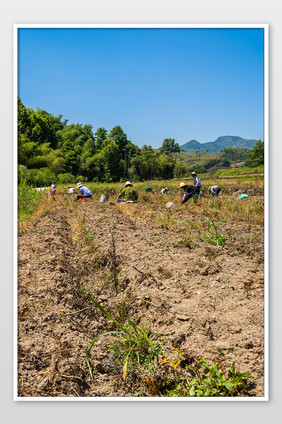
208	301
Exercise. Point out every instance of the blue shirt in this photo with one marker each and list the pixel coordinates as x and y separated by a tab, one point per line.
197	181
84	191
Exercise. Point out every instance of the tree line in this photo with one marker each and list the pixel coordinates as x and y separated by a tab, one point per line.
49	148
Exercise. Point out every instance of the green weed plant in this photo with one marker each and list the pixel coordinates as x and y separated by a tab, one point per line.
214	236
28	200
208	380
132	346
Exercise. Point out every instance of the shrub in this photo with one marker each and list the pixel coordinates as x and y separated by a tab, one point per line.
132	346
207	380
66	178
28	200
23	173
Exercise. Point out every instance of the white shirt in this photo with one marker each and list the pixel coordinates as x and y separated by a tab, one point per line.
213	188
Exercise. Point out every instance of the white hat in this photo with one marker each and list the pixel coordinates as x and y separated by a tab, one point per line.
128	183
78	185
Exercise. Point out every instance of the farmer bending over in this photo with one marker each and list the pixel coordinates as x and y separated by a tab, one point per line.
189	191
84	192
215	190
71	190
164	190
127	194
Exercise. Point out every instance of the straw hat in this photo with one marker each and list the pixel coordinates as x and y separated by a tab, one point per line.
128	183
193	173
182	185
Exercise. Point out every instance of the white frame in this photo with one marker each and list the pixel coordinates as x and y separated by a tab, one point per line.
266	211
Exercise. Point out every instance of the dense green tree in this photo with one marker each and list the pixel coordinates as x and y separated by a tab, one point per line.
50	148
256	156
110	158
26	149
165	166
23	173
43	177
66	178
51	125
120	139
169	146
180	170
234	154
145	164
24	122
100	136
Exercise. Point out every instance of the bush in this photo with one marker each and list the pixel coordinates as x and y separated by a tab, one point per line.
41	177
81	179
23	173
66	178
240	171
28	200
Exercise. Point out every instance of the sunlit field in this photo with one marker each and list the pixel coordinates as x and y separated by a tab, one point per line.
143	299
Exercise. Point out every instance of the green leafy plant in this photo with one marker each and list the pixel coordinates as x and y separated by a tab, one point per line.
209	381
28	200
214	236
222	350
132	346
196	197
89	237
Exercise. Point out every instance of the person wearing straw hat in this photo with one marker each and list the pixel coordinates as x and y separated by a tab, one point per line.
84	192
71	190
127	194
189	191
197	182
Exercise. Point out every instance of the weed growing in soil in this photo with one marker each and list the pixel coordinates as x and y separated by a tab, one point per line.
214	237
186	242
28	200
133	346
133	349
89	237
209	381
222	350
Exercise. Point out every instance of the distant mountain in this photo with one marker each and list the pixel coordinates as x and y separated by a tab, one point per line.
217	145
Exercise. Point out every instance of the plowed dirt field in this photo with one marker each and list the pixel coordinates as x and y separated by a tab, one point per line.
206	301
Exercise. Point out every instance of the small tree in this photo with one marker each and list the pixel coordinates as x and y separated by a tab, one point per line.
23	173
66	178
169	146
256	155
44	177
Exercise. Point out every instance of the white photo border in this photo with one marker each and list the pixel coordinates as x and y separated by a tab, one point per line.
263	26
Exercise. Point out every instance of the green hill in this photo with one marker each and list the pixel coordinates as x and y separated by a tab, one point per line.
219	144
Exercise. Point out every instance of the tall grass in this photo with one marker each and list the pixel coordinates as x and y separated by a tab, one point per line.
28	200
132	347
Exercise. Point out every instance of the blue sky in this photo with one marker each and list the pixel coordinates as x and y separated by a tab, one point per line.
182	83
